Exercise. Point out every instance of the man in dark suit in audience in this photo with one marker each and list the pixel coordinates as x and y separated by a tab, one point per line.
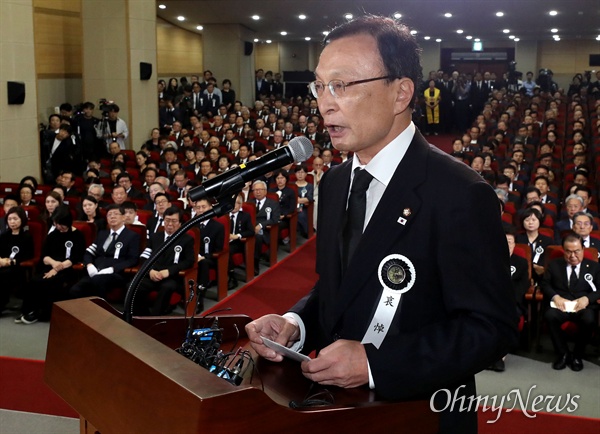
161	204
124	180
384	312
164	277
212	237
583	224
240	227
570	284
267	214
114	250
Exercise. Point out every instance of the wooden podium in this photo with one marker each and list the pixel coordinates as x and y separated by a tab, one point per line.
125	378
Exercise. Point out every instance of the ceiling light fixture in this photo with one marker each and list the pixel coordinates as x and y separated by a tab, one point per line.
511	37
469	37
477	40
459	31
397	15
268	41
438	40
427	38
255	17
162	6
199	28
283	33
307	38
448	15
255	39
554	30
413	32
348	16
506	31
181	18
553	13
517	39
499	14
302	16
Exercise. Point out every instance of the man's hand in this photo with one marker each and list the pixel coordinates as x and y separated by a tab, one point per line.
257	229
582	303
559	302
51	273
343	364
157	276
284	331
539	270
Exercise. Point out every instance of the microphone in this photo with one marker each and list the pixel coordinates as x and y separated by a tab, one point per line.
299	149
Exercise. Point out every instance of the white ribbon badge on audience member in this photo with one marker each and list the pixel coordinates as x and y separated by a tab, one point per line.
589	279
397	275
68	246
538	253
206	245
512	269
177	253
118	248
13	252
268	211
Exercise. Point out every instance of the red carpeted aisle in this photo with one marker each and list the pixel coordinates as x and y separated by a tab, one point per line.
278	288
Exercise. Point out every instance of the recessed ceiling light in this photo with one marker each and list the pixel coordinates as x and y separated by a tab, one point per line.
511	37
307	38
268	41
255	17
325	33
448	15
517	39
348	16
397	15
477	39
283	33
181	18
499	14
255	39
302	16
554	30
459	31
553	13
598	38
162	6
199	28
413	32
505	31
438	40
557	38
427	38
469	37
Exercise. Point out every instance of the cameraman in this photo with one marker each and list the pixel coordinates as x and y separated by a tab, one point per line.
113	128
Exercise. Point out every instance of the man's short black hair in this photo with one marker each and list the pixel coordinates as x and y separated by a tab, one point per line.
572	237
174	210
129	205
115	206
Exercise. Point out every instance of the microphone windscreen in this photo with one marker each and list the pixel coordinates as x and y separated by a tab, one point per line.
301	148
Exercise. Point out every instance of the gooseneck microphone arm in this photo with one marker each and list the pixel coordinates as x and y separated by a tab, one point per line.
218	210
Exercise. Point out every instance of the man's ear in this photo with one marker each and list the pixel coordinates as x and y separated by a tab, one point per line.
405	89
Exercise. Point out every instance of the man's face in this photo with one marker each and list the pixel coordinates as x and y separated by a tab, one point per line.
205	168
363	116
326	156
573	207
573	252
130	216
172	223
176	127
542	186
202	206
582	226
318	164
580	179
66	180
95	193
585	196
510	173
119	195
532	196
180	180
162	203
125	183
277	137
115	219
153	190
259	190
113	115
243	152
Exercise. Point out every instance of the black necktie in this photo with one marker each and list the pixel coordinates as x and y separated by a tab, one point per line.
573	278
232	224
355	214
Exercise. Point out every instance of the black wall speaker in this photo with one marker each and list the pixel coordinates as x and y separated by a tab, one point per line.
248	48
15	91
145	71
594	59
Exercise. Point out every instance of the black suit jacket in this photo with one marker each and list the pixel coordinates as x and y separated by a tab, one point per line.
519	275
453	322
555	281
271	217
128	254
243	225
186	258
212	237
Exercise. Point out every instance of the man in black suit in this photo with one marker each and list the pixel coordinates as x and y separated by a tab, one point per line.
405	314
240	226
164	277
155	222
62	155
583	224
168	115
114	250
267	214
212	237
570	284
573	205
